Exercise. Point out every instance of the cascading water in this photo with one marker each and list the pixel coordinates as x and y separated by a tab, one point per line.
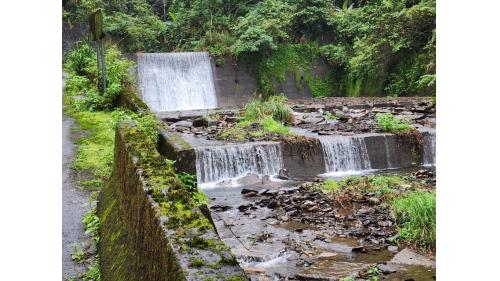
176	81
217	163
345	154
429	149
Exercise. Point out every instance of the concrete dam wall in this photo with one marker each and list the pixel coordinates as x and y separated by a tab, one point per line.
180	81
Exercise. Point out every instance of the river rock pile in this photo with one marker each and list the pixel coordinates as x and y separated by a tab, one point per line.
347	118
366	217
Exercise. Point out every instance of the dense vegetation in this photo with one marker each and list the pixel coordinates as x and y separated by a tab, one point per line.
373	47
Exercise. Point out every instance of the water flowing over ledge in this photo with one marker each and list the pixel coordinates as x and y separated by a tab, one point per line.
176	81
345	155
215	164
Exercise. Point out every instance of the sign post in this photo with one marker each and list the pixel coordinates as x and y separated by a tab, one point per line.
96	26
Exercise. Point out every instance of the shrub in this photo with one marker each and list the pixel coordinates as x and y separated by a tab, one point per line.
415	214
275	106
392	124
81	65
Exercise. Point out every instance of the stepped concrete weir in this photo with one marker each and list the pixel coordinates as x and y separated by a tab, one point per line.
176	81
217	162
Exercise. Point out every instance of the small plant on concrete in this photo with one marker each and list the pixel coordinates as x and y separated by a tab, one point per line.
390	123
330	116
78	255
415	214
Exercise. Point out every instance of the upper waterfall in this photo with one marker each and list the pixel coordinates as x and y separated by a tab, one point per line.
176	81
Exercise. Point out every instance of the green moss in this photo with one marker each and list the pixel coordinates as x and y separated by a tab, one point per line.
174	137
196	262
237	278
291	58
319	87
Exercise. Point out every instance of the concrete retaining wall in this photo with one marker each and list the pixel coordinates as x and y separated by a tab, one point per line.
150	228
73	33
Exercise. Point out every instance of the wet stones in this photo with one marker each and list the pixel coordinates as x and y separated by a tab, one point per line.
220	208
249	192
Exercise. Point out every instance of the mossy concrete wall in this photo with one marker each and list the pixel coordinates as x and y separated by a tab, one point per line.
174	147
303	156
150	227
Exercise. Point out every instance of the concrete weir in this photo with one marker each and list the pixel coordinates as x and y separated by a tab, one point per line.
308	156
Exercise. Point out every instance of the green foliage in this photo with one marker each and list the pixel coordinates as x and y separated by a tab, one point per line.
392	124
236	133
263	27
415	214
384	185
374	47
134	24
190	183
373	273
84	77
273	126
94	271
275	107
330	185
330	116
77	254
91	223
292	58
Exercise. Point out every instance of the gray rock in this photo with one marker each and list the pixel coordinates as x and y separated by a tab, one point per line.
249	192
313	120
388	268
249	179
183	123
408	257
393	249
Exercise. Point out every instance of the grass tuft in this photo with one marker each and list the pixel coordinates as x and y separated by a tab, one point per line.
415	214
390	123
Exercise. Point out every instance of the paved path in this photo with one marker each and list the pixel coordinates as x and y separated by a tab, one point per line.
73	200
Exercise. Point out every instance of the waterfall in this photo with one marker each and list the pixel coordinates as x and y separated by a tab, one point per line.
345	154
429	149
176	81
218	163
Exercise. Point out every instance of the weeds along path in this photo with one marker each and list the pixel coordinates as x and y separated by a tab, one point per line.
73	203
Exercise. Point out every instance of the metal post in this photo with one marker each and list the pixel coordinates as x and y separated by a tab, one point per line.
96	24
103	66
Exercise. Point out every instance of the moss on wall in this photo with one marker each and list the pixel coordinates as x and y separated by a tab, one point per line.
150	227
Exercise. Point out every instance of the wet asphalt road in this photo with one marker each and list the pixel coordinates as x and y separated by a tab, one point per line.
73	201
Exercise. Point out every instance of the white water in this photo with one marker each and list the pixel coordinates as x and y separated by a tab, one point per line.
345	155
176	81
429	149
215	164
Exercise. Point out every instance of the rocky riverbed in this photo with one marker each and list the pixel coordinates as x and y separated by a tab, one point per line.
326	116
296	231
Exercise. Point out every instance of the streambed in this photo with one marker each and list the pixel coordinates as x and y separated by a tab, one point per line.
285	231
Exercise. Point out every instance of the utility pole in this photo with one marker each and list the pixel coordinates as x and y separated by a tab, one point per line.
96	26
